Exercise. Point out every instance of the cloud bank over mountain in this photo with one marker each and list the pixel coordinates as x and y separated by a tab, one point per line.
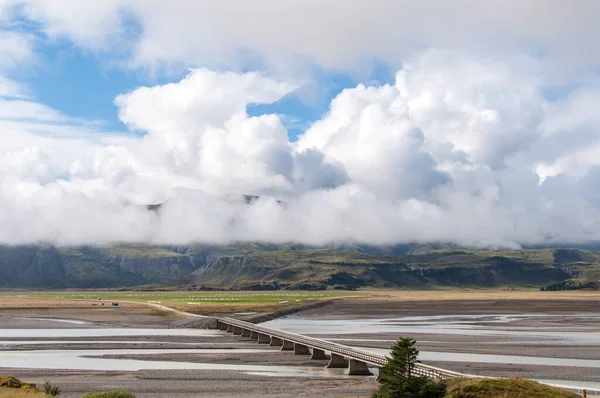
465	145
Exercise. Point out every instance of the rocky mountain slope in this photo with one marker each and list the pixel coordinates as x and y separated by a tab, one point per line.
272	266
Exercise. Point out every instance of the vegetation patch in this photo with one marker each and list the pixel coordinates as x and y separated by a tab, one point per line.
196	302
51	389
572	284
11	393
109	394
503	388
198	298
12	387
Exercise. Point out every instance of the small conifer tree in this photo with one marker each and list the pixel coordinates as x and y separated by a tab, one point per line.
397	378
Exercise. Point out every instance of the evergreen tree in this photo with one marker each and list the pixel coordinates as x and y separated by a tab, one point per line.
397	379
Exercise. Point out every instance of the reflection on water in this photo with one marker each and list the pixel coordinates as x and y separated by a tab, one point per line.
77	360
503	329
435	356
133	351
473	325
351	341
510	359
110	332
69	321
479	325
85	342
321	371
568	383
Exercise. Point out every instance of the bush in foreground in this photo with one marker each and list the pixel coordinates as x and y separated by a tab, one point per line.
108	394
503	388
51	389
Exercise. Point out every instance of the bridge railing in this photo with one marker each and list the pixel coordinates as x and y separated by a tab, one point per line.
340	349
366	356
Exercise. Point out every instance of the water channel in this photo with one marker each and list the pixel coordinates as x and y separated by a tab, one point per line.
516	327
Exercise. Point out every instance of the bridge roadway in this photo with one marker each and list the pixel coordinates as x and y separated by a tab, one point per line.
338	352
357	360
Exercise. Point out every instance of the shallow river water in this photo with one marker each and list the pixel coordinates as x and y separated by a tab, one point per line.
94	360
557	329
465	325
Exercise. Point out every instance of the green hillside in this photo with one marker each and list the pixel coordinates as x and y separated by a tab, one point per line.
326	268
257	266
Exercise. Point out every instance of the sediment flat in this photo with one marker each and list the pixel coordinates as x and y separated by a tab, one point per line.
148	383
531	315
312	381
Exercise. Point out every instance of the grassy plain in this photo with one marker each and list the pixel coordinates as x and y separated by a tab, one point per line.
479	295
199	302
228	302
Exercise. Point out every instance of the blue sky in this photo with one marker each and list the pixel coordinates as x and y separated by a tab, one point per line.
83	84
310	103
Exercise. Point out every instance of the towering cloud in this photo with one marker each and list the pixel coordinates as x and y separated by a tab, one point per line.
466	144
459	148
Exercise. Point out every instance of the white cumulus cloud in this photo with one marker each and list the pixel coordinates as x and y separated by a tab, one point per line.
488	135
451	151
291	36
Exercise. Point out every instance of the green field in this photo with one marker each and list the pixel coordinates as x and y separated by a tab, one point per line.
195	298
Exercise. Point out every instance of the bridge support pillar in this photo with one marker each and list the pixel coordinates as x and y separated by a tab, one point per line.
253	335
229	329
223	326
300	349
237	331
245	333
264	338
358	368
336	361
276	342
287	346
318	354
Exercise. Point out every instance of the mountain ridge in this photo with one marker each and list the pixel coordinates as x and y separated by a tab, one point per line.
290	266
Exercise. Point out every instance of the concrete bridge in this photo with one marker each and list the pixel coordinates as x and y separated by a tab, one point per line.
357	361
340	356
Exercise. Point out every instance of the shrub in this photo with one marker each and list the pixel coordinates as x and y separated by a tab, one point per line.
108	394
13	383
10	382
50	389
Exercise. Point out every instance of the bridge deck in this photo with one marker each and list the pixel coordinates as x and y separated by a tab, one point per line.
339	349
